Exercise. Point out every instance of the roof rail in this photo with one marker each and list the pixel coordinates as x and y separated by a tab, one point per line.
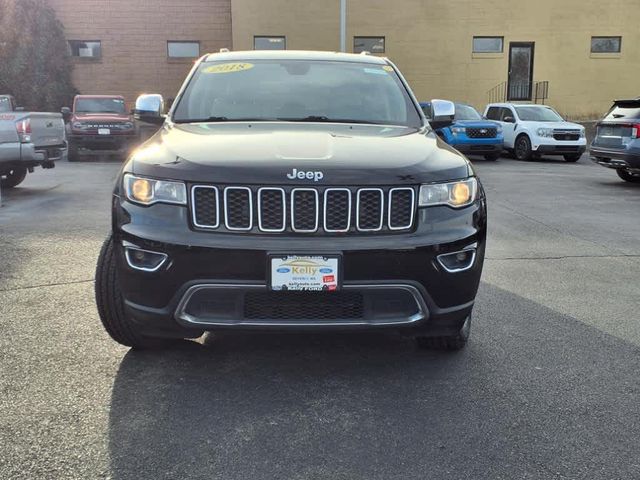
224	50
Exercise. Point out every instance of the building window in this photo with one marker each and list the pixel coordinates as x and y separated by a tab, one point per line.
85	48
269	43
606	44
182	49
368	44
488	44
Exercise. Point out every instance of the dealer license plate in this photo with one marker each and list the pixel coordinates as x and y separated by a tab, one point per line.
305	272
104	131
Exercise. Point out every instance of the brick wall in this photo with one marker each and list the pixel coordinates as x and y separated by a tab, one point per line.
134	35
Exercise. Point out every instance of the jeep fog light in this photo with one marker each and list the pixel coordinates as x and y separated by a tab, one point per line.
457	261
144	260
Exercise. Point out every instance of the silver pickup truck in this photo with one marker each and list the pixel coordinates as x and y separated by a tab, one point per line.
27	140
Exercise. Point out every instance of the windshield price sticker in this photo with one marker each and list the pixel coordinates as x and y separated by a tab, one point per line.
228	68
311	273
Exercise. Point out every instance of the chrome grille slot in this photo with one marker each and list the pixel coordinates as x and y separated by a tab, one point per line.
238	208
401	208
205	209
272	209
304	210
337	210
370	209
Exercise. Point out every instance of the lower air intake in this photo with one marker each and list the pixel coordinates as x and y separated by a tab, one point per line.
304	305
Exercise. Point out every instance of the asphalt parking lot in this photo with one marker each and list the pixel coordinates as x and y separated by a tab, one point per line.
547	388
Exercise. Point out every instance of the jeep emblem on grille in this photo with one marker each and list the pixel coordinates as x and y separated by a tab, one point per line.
302	175
483	130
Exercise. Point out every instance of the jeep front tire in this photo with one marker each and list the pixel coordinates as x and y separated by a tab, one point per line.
111	304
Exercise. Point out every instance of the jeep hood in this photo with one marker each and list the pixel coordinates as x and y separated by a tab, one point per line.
265	153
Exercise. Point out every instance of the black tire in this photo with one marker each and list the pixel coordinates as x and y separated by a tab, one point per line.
452	342
13	177
72	154
628	176
492	157
573	157
111	305
522	148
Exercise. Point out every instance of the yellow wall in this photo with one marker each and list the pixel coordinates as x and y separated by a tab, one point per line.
431	42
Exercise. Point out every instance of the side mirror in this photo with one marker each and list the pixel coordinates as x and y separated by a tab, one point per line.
66	113
442	113
149	108
509	120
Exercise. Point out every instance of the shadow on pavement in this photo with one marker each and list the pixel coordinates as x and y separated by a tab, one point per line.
535	395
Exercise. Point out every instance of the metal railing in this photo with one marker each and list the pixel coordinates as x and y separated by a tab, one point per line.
519	91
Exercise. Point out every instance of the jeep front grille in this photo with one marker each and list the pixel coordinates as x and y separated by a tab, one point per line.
303	210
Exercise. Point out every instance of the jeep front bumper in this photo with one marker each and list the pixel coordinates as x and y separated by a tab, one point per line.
212	281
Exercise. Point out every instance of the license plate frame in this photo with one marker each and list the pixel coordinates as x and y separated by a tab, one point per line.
311	278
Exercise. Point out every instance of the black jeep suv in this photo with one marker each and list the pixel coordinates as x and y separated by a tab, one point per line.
293	190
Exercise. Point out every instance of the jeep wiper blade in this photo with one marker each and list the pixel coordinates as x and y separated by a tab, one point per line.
324	119
223	119
202	120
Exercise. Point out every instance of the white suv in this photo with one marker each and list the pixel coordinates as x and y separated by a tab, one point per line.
534	130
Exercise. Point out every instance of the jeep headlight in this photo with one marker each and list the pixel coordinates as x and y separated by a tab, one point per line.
454	194
545	132
148	191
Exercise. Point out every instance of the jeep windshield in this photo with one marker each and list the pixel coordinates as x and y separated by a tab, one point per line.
538	114
99	105
296	91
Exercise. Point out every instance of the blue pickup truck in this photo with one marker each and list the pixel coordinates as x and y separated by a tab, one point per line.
470	133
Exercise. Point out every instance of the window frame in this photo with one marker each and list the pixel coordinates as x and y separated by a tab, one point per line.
172	57
81	57
268	37
370	37
487	52
608	52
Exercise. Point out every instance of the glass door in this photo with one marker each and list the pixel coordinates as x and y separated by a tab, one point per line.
520	83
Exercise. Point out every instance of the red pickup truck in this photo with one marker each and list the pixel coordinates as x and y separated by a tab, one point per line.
100	125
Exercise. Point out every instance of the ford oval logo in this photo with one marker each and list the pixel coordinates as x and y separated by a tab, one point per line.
283	270
326	270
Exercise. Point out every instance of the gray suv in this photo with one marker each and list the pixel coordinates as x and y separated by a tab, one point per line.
617	141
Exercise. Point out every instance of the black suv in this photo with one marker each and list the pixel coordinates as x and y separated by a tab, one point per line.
293	190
